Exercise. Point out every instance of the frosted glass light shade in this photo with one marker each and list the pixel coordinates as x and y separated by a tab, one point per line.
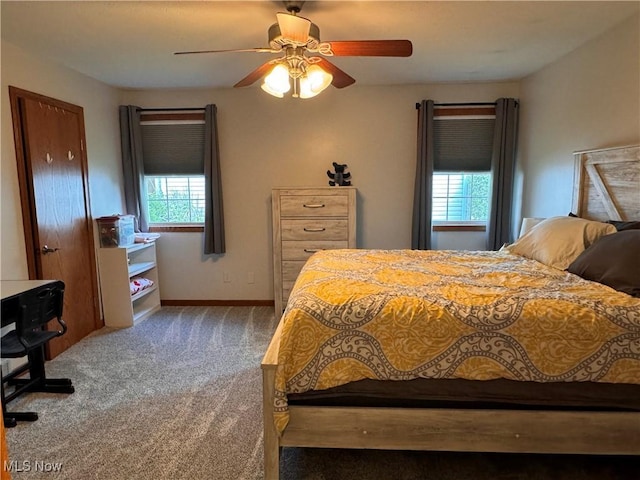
314	82
277	82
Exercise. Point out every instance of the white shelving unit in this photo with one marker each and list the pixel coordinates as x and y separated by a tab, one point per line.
117	267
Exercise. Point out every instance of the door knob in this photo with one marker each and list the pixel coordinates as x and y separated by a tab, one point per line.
47	249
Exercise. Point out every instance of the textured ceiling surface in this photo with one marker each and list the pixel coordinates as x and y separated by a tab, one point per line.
131	44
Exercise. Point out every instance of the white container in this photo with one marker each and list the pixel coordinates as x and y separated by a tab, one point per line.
116	231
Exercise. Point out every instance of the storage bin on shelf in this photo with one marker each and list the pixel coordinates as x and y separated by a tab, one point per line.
116	230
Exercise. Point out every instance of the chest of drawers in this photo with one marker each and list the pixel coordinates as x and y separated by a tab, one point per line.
306	220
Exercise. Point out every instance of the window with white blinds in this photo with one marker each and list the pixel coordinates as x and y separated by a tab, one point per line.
173	153
463	147
175	199
461	197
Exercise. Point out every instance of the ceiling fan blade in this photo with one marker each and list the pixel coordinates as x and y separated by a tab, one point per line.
258	50
340	78
372	48
293	27
255	75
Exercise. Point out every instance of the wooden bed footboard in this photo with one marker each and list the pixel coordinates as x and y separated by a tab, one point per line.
443	429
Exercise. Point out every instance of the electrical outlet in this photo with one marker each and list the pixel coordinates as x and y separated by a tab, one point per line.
226	278
251	277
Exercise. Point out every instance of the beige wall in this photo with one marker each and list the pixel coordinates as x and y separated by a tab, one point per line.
267	142
264	143
22	70
588	99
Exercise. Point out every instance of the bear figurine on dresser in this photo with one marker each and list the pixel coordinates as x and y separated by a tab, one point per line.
340	177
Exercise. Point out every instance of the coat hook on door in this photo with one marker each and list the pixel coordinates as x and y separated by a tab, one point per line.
49	158
70	155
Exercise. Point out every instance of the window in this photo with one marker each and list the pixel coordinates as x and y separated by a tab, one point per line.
175	199
461	197
463	147
173	153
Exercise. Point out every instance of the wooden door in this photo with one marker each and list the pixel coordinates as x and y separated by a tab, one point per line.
52	168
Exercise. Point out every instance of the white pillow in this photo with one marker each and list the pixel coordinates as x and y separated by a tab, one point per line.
557	241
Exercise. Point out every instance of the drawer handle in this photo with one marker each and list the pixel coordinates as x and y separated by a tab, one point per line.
321	229
313	205
312	250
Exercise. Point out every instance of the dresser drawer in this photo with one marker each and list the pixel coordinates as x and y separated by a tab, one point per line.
314	205
290	270
314	229
286	291
302	250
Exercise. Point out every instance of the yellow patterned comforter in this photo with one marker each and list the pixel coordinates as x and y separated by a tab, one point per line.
406	314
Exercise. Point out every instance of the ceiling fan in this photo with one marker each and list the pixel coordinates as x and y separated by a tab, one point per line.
294	38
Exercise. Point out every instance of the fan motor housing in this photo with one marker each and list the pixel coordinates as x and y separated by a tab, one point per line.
276	38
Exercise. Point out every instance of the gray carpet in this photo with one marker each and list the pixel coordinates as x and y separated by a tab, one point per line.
178	396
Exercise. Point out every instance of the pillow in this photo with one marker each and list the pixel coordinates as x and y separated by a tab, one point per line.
557	241
613	260
621	225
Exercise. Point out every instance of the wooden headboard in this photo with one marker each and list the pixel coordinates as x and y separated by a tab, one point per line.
607	184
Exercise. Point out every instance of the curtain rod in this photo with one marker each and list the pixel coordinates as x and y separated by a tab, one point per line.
170	109
470	104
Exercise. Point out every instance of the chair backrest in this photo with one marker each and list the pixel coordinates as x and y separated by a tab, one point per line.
38	308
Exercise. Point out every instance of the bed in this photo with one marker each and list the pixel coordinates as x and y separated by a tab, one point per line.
307	401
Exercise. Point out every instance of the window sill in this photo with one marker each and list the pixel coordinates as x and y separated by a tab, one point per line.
459	228
176	228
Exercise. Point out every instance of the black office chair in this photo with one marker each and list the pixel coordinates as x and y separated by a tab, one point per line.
29	338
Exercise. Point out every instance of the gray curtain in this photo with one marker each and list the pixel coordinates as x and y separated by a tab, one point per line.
422	204
213	211
132	164
502	169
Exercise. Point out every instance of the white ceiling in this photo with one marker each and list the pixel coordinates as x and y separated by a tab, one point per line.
131	44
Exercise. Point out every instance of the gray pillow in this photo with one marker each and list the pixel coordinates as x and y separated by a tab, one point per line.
621	225
613	260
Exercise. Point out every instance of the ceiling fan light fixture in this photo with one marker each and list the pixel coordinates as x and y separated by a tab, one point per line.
294	37
267	89
277	82
314	81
